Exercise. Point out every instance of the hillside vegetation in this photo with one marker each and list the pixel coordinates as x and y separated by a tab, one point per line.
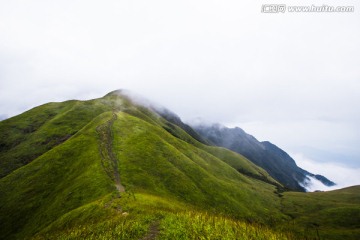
325	215
111	169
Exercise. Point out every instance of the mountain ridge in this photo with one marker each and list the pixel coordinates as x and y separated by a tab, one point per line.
189	167
265	154
172	182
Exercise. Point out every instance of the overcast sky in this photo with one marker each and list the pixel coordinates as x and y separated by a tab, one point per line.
290	78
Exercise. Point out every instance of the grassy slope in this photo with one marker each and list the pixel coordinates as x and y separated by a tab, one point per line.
235	160
133	218
60	180
27	136
70	174
179	201
65	192
154	161
330	215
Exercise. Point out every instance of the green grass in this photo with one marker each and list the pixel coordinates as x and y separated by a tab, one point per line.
195	225
31	134
330	215
54	183
102	219
134	218
154	161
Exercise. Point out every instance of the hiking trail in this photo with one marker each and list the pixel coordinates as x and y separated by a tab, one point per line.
108	158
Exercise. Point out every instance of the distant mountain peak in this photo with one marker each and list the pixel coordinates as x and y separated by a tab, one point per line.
265	154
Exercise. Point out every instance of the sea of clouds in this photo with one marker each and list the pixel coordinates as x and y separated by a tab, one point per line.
342	175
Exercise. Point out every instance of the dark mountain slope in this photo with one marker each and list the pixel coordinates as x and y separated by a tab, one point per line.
174	119
264	154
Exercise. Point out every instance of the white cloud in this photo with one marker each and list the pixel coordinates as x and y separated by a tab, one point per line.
343	176
312	184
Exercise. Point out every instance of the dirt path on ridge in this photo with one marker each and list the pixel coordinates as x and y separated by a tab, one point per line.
108	159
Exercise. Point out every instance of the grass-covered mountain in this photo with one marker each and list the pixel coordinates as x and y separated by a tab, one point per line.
264	154
109	168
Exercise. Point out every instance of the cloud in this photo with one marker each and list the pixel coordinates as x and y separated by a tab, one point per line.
342	175
297	75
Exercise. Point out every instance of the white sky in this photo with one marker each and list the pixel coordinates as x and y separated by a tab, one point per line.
291	78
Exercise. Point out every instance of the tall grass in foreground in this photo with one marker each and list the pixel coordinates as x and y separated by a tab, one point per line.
120	227
169	226
193	225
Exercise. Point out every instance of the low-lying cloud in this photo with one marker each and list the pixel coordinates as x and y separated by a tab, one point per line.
343	176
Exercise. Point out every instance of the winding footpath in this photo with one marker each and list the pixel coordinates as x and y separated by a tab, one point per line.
108	159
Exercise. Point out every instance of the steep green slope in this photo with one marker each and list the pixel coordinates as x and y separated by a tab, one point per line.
125	172
66	177
155	162
27	136
150	160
